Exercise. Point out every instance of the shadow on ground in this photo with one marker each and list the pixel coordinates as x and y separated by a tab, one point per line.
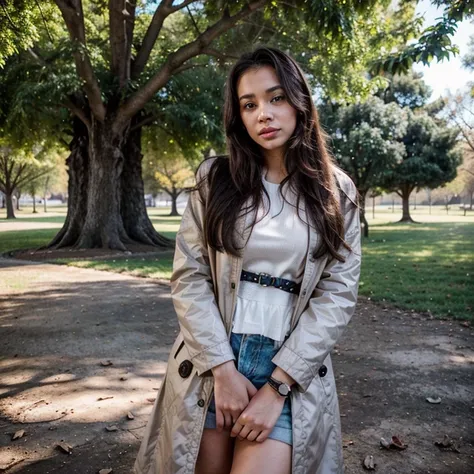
82	348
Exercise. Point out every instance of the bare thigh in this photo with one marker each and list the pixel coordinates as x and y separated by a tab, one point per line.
215	452
269	457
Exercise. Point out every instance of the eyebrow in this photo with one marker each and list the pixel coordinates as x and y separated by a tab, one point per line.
250	96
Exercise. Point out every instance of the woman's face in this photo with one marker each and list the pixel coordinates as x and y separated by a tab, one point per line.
265	111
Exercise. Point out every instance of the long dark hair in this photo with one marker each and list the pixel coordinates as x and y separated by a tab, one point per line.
235	178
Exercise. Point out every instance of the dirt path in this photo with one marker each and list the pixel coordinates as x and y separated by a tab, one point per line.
60	325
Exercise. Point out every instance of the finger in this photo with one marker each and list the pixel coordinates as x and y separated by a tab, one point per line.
227	421
251	389
252	436
236	429
262	436
219	420
244	432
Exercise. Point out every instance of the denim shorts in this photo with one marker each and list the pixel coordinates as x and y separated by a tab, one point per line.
254	355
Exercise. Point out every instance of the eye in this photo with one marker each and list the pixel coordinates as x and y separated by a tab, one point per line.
279	98
248	103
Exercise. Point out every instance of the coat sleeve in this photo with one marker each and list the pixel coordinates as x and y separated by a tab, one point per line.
192	290
330	307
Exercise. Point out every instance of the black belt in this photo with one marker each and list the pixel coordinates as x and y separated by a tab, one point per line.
265	279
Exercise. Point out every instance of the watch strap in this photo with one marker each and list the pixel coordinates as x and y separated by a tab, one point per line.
276	384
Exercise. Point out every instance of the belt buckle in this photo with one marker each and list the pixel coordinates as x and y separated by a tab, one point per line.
260	275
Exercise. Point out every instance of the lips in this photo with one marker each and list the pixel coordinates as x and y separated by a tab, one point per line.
268	130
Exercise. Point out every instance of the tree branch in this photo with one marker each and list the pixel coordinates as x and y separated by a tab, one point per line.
154	28
31	177
176	59
73	16
185	67
121	23
193	21
75	109
44	21
218	54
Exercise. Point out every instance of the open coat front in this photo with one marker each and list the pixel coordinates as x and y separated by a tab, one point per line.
204	286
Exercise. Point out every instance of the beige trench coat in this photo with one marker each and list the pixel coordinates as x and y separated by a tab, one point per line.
204	285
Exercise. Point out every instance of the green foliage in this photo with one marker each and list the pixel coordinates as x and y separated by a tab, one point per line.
365	138
431	155
407	90
434	42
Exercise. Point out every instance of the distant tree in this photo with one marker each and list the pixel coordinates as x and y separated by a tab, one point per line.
166	167
430	160
365	139
18	169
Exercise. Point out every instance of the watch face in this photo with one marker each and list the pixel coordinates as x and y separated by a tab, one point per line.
283	390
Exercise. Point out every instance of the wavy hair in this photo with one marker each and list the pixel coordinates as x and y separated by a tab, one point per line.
235	178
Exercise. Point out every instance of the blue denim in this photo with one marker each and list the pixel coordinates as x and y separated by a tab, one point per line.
254	355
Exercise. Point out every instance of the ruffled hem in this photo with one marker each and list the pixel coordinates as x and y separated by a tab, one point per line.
257	317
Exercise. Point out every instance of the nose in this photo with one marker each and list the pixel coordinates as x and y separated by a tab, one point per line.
264	115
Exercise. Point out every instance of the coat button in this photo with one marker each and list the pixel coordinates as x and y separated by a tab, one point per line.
185	369
232	285
323	370
201	402
304	292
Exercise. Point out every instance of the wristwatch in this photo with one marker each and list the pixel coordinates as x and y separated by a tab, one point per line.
282	388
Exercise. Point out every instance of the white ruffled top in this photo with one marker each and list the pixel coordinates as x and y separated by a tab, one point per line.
278	245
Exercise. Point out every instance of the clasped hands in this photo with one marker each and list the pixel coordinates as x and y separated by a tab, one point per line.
249	413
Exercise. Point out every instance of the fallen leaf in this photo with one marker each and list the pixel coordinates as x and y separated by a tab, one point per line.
105	471
67	448
369	463
106	363
384	443
448	444
103	398
151	400
433	400
111	428
19	434
130	416
398	443
345	444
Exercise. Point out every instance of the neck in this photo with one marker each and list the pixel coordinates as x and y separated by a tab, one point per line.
274	165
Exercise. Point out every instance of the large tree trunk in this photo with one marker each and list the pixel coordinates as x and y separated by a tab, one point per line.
405	194
174	202
133	208
106	205
78	173
10	208
103	226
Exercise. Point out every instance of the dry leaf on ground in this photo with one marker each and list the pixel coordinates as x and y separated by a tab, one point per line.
448	444
433	400
106	363
19	434
66	448
105	471
369	463
130	416
111	428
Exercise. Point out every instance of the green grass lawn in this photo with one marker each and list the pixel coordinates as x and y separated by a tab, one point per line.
152	267
25	239
424	267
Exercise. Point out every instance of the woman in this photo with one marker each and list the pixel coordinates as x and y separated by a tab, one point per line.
265	279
